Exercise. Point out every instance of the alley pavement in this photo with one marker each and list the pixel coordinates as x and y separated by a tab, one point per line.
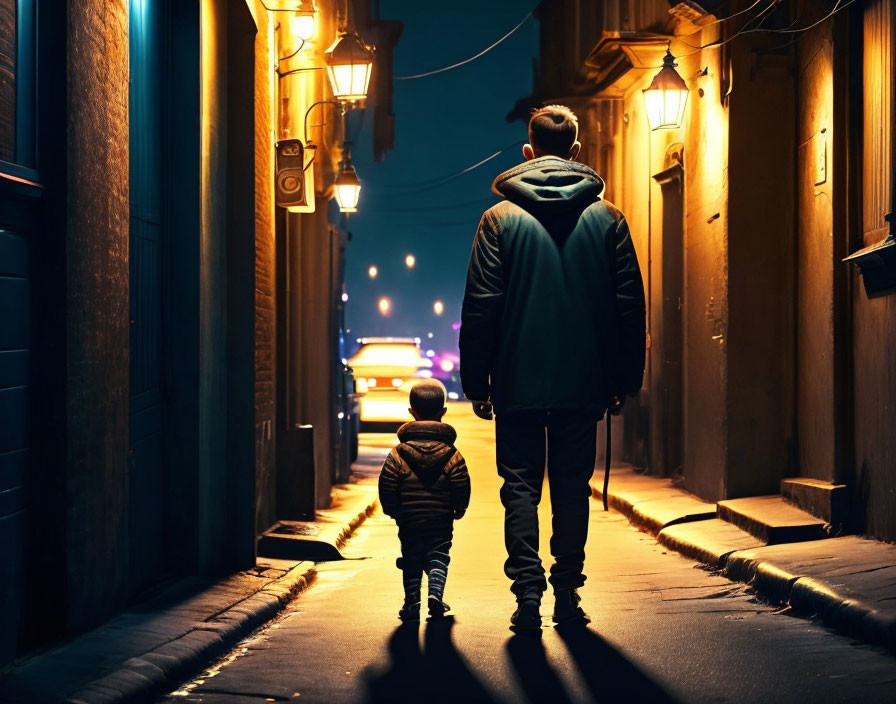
664	628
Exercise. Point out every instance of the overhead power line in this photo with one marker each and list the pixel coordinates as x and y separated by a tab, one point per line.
421	186
466	61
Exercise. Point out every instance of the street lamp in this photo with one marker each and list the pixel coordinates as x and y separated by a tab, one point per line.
349	64
438	307
385	305
347	188
301	24
372	272
666	97
409	261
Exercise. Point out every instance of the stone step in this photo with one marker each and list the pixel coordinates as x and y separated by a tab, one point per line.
772	520
827	501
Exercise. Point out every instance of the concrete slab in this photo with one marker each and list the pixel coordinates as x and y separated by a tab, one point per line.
321	539
656	514
823	499
710	542
772	519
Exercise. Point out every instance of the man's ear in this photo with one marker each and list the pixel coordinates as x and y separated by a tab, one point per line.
574	150
413	413
528	152
444	411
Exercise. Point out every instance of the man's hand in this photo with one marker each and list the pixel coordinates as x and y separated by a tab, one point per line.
483	409
458	514
616	405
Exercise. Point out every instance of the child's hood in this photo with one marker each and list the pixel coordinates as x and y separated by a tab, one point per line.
426	444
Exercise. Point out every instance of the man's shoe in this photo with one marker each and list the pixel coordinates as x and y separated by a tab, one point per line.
567	609
437	608
526	620
410	611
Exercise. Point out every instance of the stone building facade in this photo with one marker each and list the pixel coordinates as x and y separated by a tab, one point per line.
768	360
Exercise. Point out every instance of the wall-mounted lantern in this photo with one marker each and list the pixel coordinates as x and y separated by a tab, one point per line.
349	64
347	188
666	97
301	24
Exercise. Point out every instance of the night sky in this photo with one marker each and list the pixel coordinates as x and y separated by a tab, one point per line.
443	124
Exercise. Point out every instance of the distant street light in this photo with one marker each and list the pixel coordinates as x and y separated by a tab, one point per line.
409	261
347	188
345	298
385	306
438	307
372	272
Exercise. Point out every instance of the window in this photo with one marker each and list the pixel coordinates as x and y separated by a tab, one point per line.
17	71
8	44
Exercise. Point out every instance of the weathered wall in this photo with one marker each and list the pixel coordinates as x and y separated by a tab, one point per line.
874	320
760	272
265	321
97	311
816	402
705	307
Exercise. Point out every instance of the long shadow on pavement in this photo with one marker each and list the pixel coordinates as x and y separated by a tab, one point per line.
538	680
608	674
437	673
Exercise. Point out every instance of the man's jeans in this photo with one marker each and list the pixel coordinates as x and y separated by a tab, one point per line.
571	446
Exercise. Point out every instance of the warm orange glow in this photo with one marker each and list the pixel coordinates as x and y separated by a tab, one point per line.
410	261
349	63
301	26
666	97
438	307
372	272
385	306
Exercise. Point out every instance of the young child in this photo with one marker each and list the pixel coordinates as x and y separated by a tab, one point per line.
425	487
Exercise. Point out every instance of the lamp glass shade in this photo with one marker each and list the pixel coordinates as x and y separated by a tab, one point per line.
349	65
666	97
347	189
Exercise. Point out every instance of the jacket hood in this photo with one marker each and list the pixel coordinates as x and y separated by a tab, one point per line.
426	445
549	185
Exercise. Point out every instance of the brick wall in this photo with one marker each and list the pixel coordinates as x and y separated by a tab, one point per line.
264	276
97	310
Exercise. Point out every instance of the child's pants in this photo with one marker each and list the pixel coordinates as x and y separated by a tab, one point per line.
426	553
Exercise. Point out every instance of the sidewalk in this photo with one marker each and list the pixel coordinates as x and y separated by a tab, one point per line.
848	582
157	644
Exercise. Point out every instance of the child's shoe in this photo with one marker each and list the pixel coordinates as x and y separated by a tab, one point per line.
410	611
437	608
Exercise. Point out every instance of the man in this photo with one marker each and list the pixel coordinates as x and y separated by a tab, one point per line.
552	336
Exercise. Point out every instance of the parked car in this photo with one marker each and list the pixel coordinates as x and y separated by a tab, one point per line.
386	369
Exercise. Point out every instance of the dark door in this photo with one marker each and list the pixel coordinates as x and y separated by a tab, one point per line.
147	256
666	333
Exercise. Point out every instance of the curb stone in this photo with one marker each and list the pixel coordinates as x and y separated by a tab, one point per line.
144	678
805	595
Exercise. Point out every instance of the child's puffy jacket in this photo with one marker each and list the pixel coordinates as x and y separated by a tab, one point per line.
424	479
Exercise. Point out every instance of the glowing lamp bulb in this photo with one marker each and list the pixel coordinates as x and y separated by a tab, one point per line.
385	305
410	261
349	63
372	272
438	307
666	97
347	188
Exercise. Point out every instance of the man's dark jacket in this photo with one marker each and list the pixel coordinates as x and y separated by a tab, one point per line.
424	479
553	313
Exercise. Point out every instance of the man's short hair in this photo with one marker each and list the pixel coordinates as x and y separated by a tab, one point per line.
428	399
553	130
